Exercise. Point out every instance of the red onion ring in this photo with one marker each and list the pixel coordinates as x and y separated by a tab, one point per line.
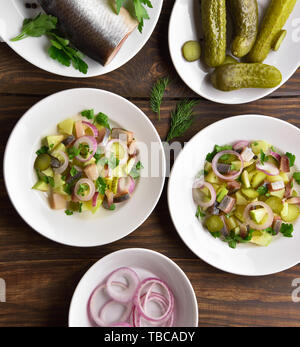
275	155
216	160
92	128
240	145
126	184
138	303
108	151
121	325
268	168
132	279
92	144
64	166
91	188
254	225
124	317
198	184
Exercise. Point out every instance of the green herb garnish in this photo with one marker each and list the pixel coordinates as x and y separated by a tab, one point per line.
60	48
182	118
73	152
112	207
42	150
263	157
296	176
217	149
68	212
102	119
82	189
136	170
291	157
101	185
215	234
262	190
73	171
89	114
200	213
139	9
287	230
157	94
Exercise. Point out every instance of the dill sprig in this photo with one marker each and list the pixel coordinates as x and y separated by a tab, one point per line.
157	94
182	118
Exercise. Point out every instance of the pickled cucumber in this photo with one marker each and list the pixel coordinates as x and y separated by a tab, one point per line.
214	224
278	40
42	162
275	18
236	76
191	51
245	19
229	60
214	29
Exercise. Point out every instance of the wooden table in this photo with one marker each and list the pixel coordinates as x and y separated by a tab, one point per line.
41	275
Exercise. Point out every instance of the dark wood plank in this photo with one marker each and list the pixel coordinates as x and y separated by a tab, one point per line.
39	294
153	61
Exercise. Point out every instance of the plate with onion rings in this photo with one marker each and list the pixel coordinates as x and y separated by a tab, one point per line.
134	288
249	193
47	176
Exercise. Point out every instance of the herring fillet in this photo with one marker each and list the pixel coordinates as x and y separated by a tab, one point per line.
92	26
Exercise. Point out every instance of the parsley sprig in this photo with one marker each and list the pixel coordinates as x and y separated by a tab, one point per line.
60	49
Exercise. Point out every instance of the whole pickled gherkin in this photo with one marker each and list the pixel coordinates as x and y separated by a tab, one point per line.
275	18
245	19
237	76
214	28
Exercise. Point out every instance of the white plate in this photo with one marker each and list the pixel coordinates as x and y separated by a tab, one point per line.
34	50
184	26
84	229
146	263
246	259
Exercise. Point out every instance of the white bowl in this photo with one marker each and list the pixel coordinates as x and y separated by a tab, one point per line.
184	26
246	259
146	263
84	229
34	50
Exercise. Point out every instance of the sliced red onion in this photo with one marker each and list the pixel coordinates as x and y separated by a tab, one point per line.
227	177
254	225
139	305
91	186
65	164
121	325
95	198
240	145
275	155
268	168
132	280
92	144
294	201
126	184
92	128
198	184
108	151
106	306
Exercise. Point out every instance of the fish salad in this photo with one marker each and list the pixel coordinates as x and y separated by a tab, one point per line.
87	165
247	192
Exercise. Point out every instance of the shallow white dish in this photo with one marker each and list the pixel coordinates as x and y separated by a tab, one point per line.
185	25
146	263
246	259
84	229
34	50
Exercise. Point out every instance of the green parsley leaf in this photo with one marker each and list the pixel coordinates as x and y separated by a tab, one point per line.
112	207
200	213
287	230
102	119
89	114
42	150
262	190
291	157
73	171
73	152
217	149
296	176
263	157
101	185
271	231
136	170
82	189
215	234
68	212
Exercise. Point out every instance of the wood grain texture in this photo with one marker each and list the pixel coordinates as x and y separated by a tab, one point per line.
42	275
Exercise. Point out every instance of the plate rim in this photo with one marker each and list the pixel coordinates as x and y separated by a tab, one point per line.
130	56
128	250
268	90
284	268
11	138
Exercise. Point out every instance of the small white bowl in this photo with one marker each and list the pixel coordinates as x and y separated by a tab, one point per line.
146	263
86	229
246	259
185	24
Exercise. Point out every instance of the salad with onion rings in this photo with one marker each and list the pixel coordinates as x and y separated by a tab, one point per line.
247	193
87	164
